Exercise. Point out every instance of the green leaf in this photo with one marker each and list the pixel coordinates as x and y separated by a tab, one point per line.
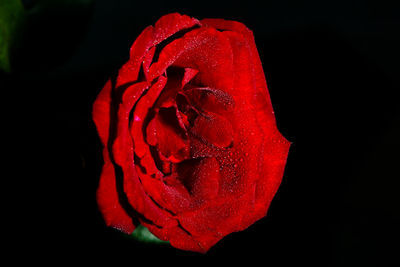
12	17
143	234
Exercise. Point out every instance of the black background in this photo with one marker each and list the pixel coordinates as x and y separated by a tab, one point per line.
333	72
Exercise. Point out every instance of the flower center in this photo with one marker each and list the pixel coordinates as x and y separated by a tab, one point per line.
187	118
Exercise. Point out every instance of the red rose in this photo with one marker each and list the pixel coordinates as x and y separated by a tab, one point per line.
191	147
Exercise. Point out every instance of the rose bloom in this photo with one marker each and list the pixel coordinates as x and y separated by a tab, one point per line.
191	147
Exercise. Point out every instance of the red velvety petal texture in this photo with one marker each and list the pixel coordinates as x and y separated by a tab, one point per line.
191	147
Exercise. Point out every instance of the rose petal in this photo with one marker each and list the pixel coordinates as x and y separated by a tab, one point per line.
170	24
122	142
189	75
239	166
168	95
101	112
130	70
151	36
140	200
201	149
213	129
178	238
222	24
147	162
140	113
171	140
261	96
214	71
213	220
151	132
220	217
172	197
192	51
123	156
209	99
272	166
274	149
147	62
108	199
229	114
201	178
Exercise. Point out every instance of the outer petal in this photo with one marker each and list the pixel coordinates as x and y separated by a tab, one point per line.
148	58
170	24
142	203
240	168
107	194
101	112
108	199
129	71
123	149
193	50
253	109
274	149
122	146
151	36
261	97
172	197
